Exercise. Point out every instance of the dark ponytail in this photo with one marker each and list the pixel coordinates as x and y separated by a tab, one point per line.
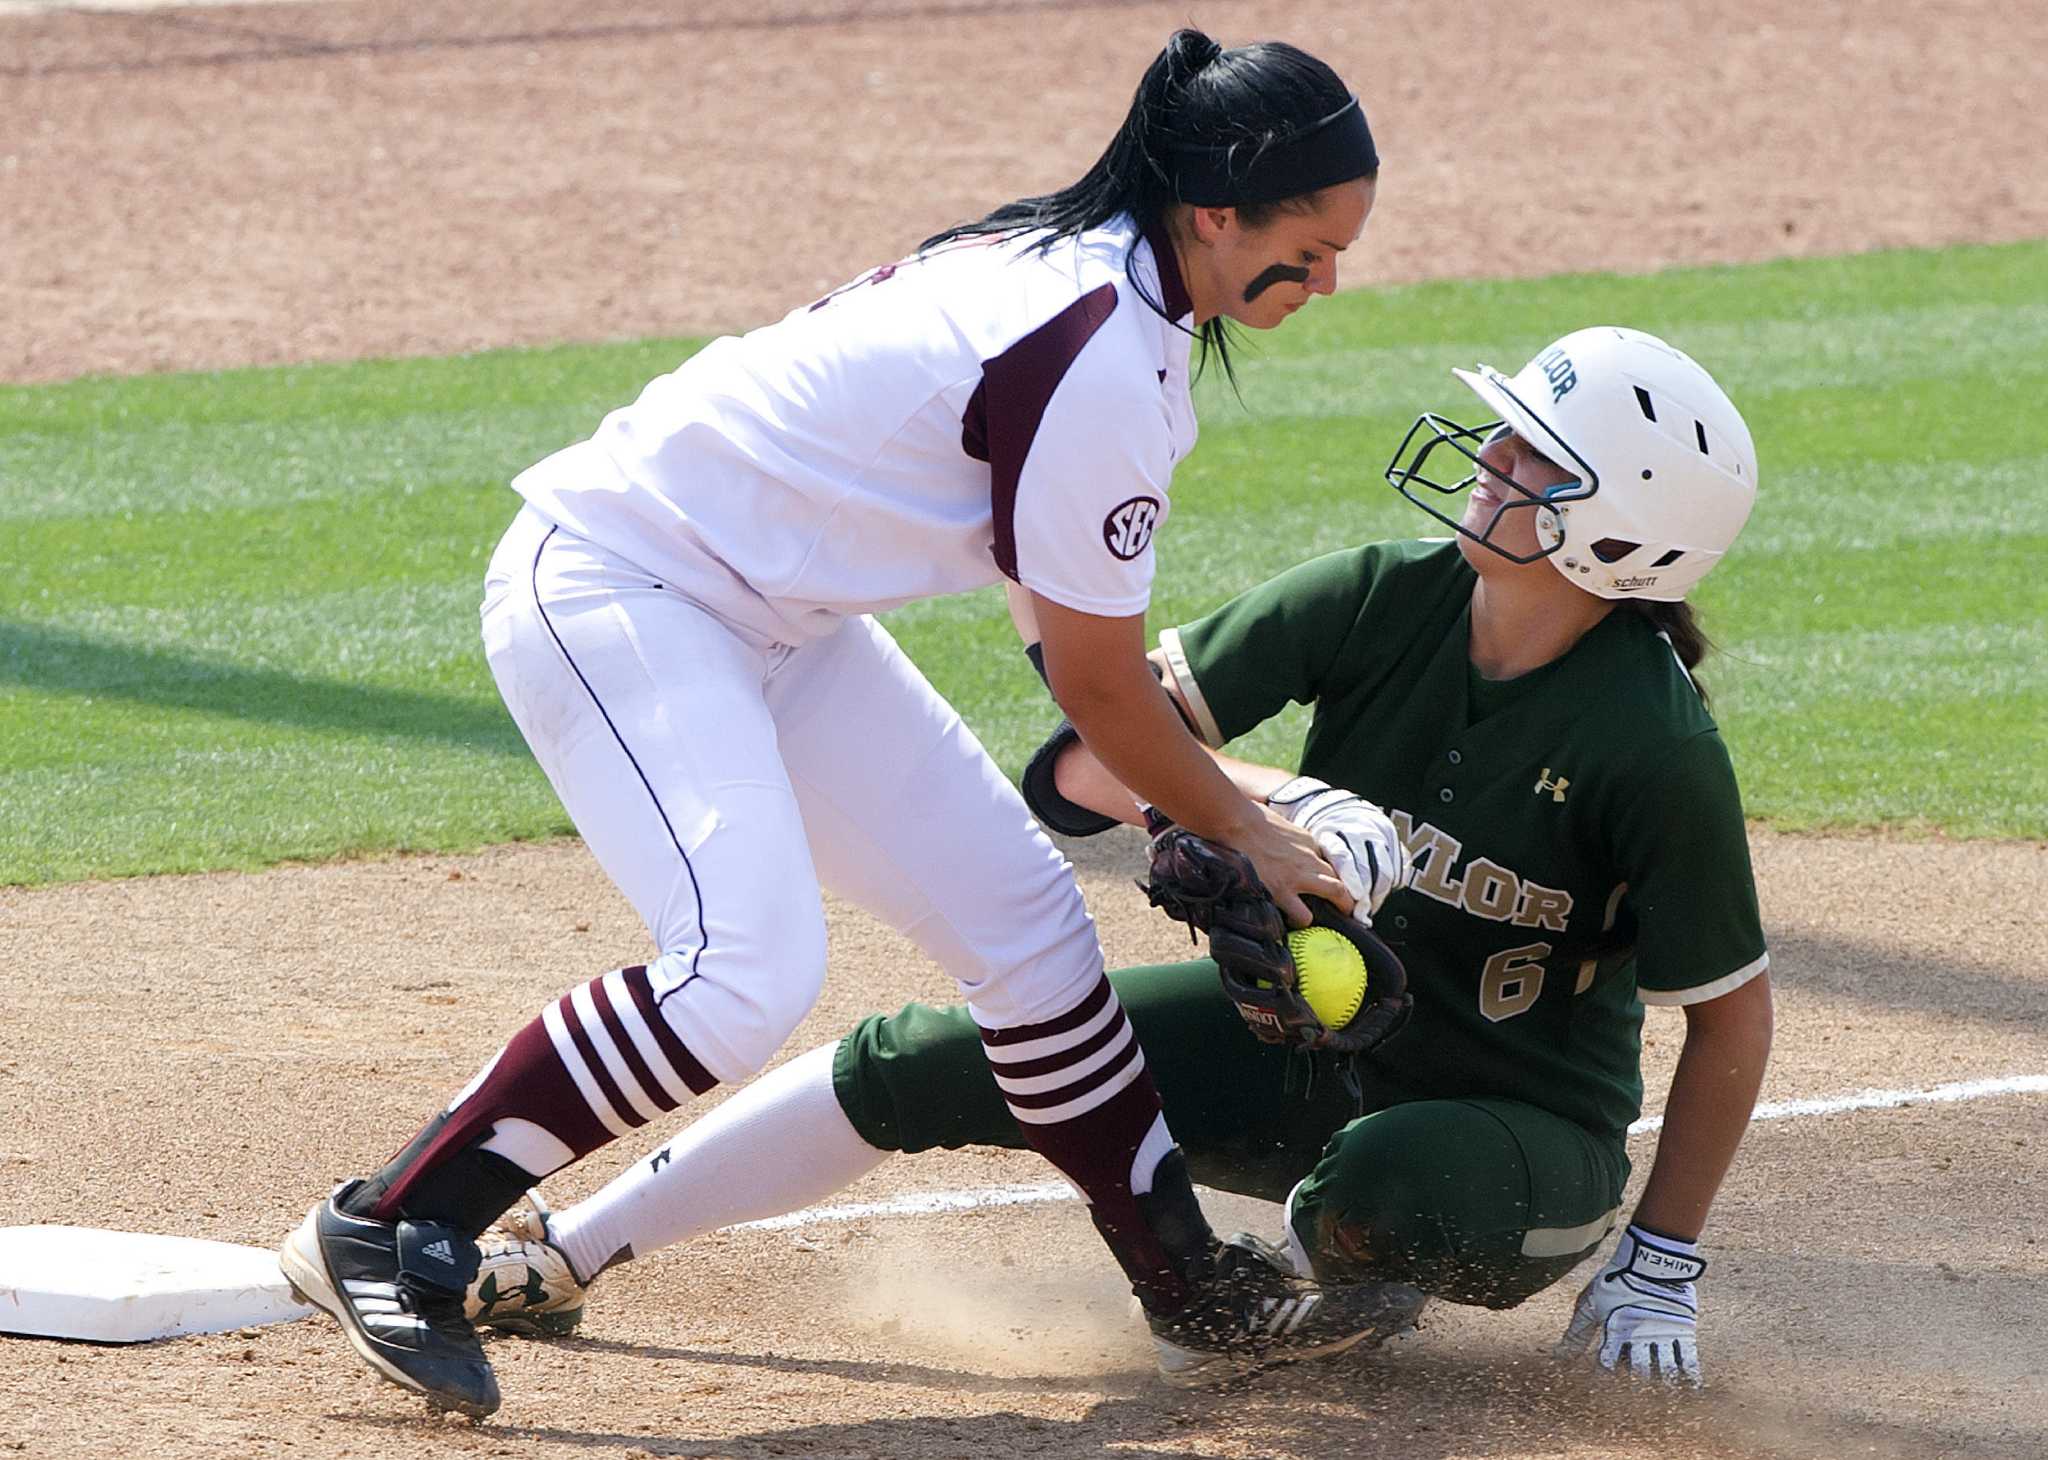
1678	623
1195	96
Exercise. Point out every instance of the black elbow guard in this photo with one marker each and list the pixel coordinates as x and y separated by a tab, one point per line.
1054	811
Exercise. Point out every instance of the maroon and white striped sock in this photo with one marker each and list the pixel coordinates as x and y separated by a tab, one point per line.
599	1062
1078	1086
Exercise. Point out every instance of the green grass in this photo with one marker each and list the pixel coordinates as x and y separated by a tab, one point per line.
237	610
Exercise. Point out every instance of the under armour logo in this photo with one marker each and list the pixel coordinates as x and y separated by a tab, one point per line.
489	1294
440	1251
661	1159
1128	528
1556	788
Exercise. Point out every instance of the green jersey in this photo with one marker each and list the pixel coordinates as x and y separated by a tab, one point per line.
1577	832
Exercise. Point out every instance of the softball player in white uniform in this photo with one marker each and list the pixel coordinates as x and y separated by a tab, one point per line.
679	621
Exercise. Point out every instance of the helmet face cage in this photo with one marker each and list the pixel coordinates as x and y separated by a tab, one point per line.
1409	469
1643	410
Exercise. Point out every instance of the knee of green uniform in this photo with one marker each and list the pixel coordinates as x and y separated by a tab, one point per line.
917	1079
1438	1193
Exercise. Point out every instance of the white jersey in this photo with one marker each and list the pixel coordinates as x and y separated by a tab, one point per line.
977	412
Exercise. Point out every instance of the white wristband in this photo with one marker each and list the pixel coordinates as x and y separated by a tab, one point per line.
1663	1259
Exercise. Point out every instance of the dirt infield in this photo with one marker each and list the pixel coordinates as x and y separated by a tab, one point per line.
205	1052
201	1055
262	184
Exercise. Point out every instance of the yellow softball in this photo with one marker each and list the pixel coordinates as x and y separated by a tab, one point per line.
1331	971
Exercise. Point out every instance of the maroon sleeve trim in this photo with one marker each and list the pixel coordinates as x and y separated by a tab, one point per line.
1003	415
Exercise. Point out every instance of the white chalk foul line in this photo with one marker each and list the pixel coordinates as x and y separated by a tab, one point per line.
1883	1099
925	1203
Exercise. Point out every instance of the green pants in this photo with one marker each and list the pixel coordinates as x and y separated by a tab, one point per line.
1472	1200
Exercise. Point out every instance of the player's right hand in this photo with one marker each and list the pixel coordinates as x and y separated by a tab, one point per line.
1640	1313
1292	866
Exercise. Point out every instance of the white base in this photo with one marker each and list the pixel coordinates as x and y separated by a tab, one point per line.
124	1287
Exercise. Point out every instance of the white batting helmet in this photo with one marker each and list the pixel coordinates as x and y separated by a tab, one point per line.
1665	471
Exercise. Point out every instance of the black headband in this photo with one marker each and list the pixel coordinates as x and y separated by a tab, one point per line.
1336	149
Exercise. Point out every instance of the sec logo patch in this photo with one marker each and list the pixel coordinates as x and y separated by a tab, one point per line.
1128	528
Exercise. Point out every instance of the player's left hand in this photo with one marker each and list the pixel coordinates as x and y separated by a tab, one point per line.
1642	1311
1360	842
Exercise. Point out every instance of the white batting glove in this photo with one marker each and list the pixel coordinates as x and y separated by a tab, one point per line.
1643	1311
1360	842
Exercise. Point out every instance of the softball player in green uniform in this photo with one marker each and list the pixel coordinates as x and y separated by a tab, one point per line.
1520	699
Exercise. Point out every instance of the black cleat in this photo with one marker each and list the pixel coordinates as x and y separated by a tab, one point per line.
1250	1311
397	1291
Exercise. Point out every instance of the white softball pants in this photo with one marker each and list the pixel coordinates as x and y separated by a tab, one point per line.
718	781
